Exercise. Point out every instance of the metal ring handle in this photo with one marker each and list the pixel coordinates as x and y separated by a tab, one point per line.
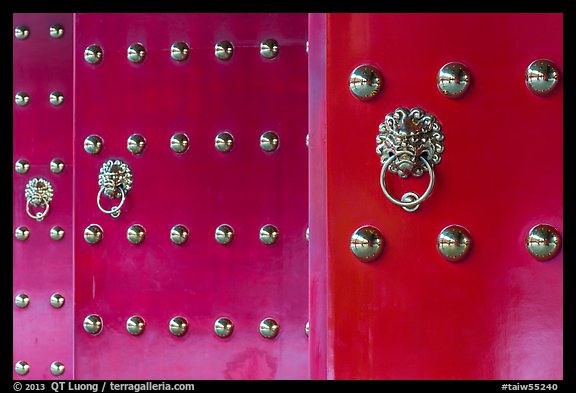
406	204
40	215
115	211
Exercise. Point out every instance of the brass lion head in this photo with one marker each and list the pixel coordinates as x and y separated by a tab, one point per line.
409	135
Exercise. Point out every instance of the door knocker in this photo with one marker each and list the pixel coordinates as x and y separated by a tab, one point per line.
115	180
38	193
409	143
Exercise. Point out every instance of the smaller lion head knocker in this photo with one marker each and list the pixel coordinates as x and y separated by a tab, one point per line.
409	143
115	180
38	193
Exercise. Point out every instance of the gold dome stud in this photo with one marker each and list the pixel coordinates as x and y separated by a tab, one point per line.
269	328
454	243
543	242
223	327
367	243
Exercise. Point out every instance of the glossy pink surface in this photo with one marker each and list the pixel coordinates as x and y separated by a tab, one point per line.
246	188
411	314
42	266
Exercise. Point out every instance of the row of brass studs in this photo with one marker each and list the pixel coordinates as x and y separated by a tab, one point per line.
180	51
56	368
23	233
454	79
179	143
543	242
22	32
22	166
178	326
22	300
179	234
22	98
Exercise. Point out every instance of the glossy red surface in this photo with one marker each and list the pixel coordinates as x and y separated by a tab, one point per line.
42	266
203	188
412	314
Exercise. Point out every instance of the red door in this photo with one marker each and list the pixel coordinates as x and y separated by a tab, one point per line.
411	313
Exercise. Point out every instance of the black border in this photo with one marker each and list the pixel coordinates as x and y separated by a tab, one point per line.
565	6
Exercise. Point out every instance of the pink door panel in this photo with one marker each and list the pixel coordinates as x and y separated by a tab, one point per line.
246	188
42	132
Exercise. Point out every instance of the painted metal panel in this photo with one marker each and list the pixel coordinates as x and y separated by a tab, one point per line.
42	132
411	314
246	188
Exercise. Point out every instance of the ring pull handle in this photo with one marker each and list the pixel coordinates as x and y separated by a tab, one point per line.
409	143
38	193
410	201
115	180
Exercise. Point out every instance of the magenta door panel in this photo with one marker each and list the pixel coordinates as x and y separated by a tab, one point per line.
42	132
246	188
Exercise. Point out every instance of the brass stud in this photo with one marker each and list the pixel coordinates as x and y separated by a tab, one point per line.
269	234
366	82
269	328
136	234
224	142
93	234
269	141
542	77
136	53
224	50
543	242
179	234
56	233
22	368
454	80
224	234
22	300
56	31
178	326
223	327
21	98
57	368
367	243
269	49
454	243
307	234
93	324
56	166
21	32
179	51
136	144
307	329
22	233
93	144
93	54
179	143
57	300
56	98
135	325
22	166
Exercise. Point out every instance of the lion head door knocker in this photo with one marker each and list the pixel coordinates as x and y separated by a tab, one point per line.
38	193
409	143
115	180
